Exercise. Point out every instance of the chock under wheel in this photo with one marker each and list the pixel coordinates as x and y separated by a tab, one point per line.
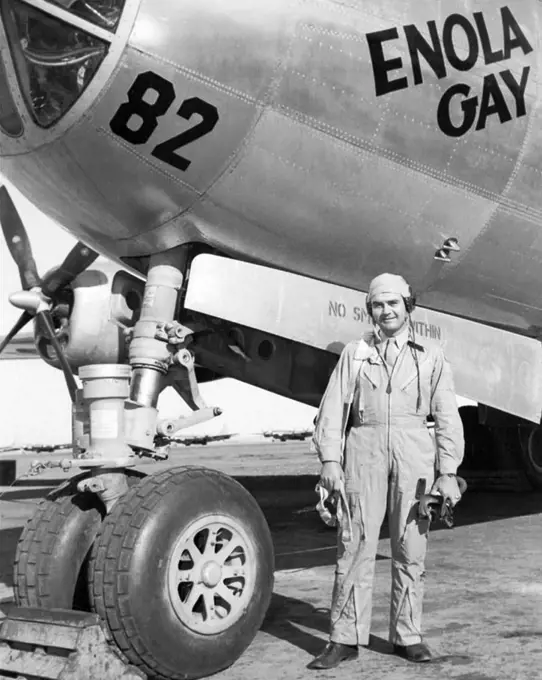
59	644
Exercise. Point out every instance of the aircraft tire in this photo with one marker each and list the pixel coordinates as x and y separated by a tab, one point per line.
53	550
531	455
182	573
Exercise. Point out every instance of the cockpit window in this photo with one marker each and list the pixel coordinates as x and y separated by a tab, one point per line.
54	61
103	13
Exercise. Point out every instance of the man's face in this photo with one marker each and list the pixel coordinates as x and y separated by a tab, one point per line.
389	313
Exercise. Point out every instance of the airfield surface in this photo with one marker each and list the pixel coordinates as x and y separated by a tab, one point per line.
483	603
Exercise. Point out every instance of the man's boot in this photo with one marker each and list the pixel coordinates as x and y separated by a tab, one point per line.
418	653
334	653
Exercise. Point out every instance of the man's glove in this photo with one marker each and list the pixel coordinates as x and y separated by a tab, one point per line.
448	487
445	493
334	511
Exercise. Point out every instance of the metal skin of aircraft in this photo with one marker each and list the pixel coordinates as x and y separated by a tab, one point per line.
247	167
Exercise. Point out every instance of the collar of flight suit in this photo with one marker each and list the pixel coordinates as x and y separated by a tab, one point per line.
371	349
400	340
376	344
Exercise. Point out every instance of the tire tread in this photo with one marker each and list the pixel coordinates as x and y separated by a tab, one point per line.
35	547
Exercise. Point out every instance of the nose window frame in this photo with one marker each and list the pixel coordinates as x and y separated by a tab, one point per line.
54	61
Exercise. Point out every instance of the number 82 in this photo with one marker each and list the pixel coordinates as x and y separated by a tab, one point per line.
148	113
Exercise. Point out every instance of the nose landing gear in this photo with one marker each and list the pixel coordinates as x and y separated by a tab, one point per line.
178	564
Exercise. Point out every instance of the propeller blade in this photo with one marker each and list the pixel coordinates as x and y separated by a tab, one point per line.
76	261
17	241
47	321
21	323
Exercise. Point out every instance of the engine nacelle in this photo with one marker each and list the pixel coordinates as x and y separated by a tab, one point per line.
106	300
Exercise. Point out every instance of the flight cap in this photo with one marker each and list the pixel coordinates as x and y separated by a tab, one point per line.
388	283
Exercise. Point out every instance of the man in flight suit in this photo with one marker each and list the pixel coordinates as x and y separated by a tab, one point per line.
385	386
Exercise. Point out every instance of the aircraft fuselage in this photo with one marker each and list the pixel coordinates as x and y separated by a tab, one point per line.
332	139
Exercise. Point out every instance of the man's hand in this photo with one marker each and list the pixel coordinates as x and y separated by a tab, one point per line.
331	476
448	488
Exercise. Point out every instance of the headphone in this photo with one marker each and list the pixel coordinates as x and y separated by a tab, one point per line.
410	302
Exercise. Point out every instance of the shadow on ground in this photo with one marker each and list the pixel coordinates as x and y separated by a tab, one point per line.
288	618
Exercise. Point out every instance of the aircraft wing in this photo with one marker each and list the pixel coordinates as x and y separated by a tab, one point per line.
21	347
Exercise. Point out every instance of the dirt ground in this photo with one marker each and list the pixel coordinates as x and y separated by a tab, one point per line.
483	603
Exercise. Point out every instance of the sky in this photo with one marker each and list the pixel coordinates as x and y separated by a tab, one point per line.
34	404
49	243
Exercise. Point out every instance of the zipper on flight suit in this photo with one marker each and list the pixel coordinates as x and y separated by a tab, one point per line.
389	392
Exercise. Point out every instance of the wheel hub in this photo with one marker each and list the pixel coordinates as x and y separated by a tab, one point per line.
211	574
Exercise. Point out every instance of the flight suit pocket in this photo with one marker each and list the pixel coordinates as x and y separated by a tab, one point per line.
347	549
369	379
425	377
414	534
